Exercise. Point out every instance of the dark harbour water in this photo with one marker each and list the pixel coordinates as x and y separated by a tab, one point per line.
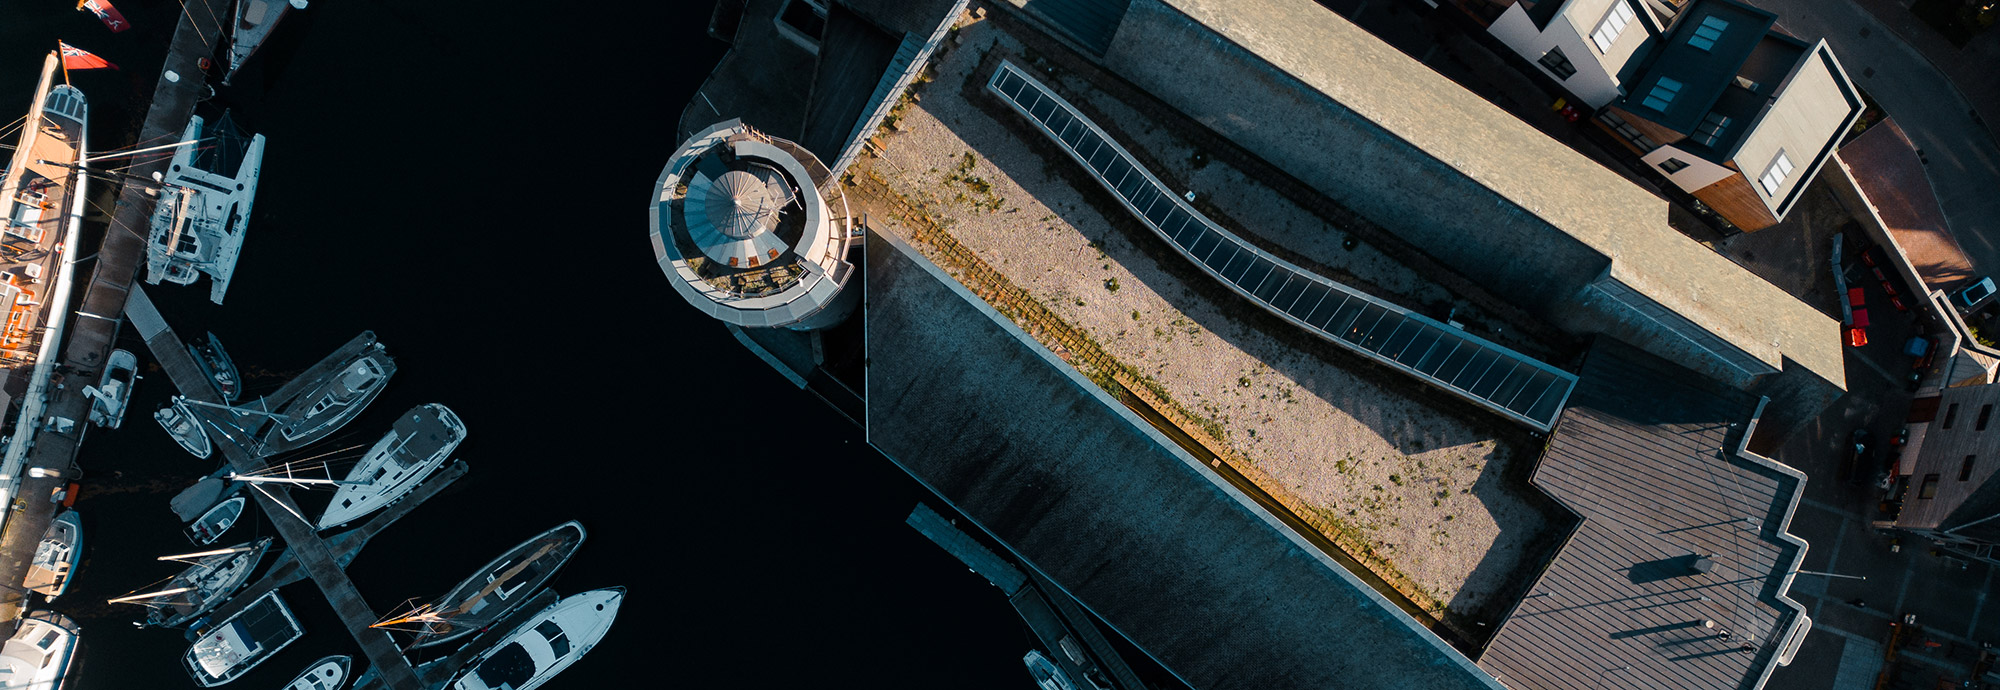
466	180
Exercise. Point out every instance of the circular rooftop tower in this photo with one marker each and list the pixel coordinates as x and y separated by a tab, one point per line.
753	230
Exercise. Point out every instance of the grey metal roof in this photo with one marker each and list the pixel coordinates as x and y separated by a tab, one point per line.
1648	455
1703	73
1086	493
1091	23
1485	373
853	56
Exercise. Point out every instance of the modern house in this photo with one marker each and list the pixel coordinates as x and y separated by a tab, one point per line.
1712	96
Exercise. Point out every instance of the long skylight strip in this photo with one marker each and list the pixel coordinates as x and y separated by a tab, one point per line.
1485	373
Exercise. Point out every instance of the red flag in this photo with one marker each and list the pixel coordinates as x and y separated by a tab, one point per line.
77	58
105	13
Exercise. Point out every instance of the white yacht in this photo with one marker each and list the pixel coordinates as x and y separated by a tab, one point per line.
54	564
254	21
187	429
209	579
114	390
204	207
544	645
326	674
41	653
242	641
416	446
336	400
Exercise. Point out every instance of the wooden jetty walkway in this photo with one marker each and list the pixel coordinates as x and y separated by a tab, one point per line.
94	327
313	556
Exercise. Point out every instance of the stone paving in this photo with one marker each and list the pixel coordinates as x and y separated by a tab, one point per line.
1435	484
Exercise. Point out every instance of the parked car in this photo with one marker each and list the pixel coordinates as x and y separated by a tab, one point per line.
1969	298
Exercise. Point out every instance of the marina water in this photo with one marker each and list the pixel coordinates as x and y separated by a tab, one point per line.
466	180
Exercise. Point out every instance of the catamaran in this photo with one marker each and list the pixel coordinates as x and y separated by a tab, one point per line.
42	197
216	364
114	390
187	429
212	524
54	564
326	674
417	445
544	645
493	591
40	654
254	21
204	206
242	641
209	579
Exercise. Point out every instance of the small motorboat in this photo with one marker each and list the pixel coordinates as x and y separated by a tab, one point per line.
242	641
1047	675
187	429
326	674
212	524
543	645
216	364
113	390
56	556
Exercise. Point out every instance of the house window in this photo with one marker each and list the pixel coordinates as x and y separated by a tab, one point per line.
1614	24
1950	415
1965	470
1985	413
1929	488
1673	165
1557	63
1708	33
1663	94
1630	133
1711	128
1774	177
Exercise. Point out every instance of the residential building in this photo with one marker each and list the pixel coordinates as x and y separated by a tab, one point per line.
1591	47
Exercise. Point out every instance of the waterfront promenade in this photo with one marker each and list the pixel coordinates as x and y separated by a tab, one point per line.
94	327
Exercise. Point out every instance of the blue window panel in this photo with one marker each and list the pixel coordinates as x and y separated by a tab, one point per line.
1041	108
1546	403
1158	213
1513	385
1371	314
1503	368
1204	244
1390	323
1130	186
1174	220
1477	365
1087	144
1073	133
1237	267
1340	319
1220	257
1454	363
1102	158
1011	85
1327	308
1238	262
1395	343
1432	359
1315	292
1273	284
1059	120
1186	236
1143	198
1256	272
1532	387
1117	171
1412	352
1290	293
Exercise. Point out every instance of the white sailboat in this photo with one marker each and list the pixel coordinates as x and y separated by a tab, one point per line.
544	645
415	447
493	591
204	207
254	21
209	579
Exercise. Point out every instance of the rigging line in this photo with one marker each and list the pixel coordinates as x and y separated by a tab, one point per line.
281	504
197	29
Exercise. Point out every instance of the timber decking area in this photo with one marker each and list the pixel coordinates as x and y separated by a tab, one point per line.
1677	575
95	327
